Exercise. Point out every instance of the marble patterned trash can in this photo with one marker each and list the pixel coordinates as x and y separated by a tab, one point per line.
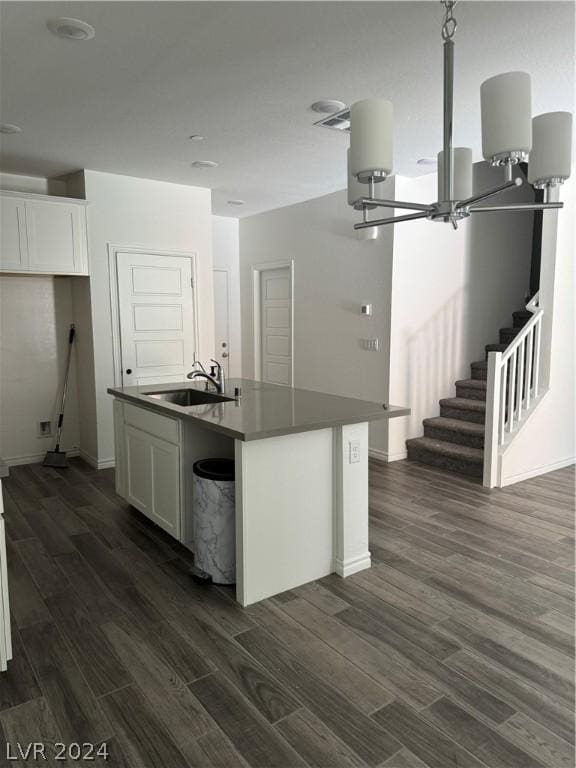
214	521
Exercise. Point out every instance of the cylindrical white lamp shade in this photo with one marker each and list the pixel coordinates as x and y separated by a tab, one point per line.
551	154
506	103
355	190
462	173
371	138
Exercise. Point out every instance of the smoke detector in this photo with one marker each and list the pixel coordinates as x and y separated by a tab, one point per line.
328	106
71	29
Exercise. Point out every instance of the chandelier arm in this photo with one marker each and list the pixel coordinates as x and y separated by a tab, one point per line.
392	220
517	182
376	203
516	207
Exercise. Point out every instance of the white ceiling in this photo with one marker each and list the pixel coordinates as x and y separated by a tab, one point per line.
243	75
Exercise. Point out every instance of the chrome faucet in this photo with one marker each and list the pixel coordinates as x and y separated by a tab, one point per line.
215	377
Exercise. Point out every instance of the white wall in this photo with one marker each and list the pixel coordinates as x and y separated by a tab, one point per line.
547	440
334	273
35	315
451	292
226	255
128	211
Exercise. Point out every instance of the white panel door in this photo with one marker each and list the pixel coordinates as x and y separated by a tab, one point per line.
222	318
54	237
13	243
276	325
156	309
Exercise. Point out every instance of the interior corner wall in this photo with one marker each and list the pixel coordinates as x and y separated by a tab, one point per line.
132	212
334	274
226	255
547	439
451	292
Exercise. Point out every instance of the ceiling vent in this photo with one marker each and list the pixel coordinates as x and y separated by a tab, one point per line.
339	121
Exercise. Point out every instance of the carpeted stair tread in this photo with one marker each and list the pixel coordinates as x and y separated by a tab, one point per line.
495	347
454	425
453	450
444	455
521	317
471	383
464	403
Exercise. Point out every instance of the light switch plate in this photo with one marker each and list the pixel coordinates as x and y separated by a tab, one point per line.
354	452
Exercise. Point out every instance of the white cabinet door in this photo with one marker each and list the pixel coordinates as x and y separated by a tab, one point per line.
152	470
56	239
13	243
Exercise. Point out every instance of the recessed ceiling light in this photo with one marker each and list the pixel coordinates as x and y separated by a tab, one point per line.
235	202
204	164
327	106
9	128
71	29
427	161
196	137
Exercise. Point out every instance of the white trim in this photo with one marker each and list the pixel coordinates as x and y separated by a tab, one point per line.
384	456
229	314
353	565
49	198
95	463
256	313
113	250
35	458
511	479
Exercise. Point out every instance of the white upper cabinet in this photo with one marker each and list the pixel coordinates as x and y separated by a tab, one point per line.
42	234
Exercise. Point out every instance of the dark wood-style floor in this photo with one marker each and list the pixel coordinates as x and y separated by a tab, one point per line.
455	649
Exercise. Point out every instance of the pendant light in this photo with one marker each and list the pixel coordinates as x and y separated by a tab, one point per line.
507	128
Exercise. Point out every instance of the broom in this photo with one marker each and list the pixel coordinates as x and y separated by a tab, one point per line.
57	458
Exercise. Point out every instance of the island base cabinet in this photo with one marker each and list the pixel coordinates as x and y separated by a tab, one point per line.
152	478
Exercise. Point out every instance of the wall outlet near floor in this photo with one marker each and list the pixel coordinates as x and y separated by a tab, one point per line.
354	452
370	345
45	428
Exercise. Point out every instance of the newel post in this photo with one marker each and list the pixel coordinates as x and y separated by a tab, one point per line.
493	415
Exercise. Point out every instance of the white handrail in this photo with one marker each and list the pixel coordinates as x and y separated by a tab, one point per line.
512	386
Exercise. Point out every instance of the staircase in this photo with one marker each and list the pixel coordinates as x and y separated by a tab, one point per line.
455	440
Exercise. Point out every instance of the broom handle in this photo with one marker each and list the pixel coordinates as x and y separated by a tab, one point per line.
65	388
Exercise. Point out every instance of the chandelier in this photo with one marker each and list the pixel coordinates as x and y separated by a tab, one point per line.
509	136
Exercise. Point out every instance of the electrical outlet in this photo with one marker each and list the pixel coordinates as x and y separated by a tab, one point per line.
354	452
45	428
370	345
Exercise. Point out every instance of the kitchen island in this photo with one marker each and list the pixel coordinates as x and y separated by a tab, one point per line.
301	462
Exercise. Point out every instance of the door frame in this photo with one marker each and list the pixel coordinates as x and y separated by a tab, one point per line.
114	251
257	269
229	313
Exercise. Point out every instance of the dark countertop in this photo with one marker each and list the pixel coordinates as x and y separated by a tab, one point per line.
263	410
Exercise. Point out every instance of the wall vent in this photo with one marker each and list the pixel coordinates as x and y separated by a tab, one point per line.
339	121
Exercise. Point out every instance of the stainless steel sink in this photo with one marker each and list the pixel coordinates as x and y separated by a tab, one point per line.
187	397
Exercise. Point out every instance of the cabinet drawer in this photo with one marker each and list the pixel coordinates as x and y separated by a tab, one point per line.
161	426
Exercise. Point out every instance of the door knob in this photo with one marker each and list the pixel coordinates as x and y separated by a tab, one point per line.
128	371
224	354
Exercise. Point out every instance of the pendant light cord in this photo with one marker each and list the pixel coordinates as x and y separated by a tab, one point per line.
449	25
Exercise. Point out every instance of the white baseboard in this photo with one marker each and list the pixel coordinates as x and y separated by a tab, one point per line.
353	565
378	455
36	458
95	463
511	479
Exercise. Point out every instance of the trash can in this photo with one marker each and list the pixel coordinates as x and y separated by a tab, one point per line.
214	519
